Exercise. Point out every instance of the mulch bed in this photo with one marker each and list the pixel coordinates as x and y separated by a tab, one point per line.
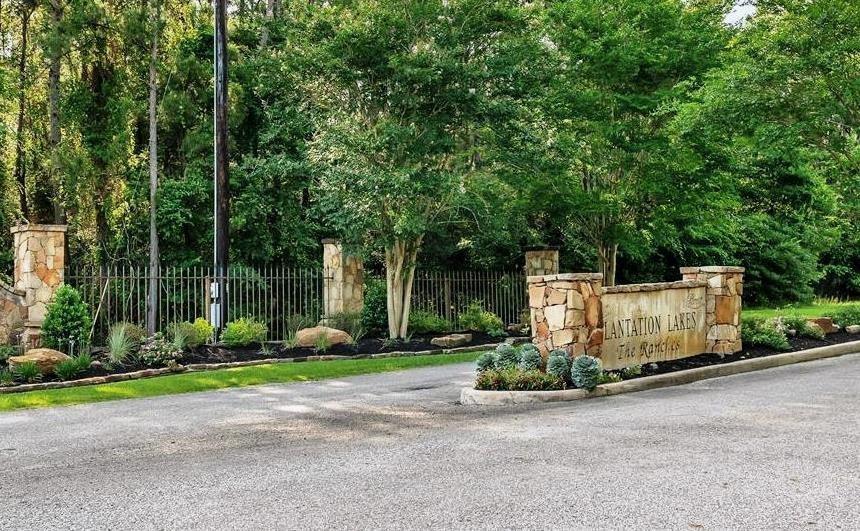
702	360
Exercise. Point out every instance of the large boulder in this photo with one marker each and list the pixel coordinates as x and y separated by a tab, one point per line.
826	324
307	337
44	358
452	340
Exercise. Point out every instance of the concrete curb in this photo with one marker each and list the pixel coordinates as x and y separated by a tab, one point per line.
473	397
201	367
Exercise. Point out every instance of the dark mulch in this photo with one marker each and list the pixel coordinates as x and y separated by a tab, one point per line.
702	360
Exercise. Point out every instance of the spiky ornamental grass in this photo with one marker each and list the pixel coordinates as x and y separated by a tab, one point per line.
558	364
585	372
506	356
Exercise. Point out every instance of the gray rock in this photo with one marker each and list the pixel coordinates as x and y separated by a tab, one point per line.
853	329
515	341
451	340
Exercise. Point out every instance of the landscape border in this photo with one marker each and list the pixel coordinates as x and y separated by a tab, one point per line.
474	397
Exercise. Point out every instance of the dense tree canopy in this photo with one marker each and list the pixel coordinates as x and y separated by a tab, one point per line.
640	135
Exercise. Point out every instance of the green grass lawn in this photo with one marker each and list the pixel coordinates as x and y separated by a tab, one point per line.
815	309
222	379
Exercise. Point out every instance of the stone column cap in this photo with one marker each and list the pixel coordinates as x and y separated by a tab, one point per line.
38	228
325	241
541	248
712	269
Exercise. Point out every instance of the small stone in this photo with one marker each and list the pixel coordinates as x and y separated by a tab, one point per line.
853	329
452	340
826	324
96	365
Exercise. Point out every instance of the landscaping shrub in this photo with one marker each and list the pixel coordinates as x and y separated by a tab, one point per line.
476	319
633	371
83	360
558	364
243	332
585	372
68	369
374	314
609	377
514	379
803	327
486	361
119	344
27	372
157	351
847	316
67	320
506	356
136	334
530	359
756	331
424	322
6	378
6	352
349	322
190	335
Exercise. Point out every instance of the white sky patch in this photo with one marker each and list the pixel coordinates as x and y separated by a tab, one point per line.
740	13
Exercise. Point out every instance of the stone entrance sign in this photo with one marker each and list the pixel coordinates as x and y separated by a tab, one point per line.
643	326
638	323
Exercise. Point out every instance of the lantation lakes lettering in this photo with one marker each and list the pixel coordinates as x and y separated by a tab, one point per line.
650	325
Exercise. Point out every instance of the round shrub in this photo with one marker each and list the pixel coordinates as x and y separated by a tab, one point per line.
585	372
374	314
530	360
243	332
157	351
486	361
67	320
506	356
558	364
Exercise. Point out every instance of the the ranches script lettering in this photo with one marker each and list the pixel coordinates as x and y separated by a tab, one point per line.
643	327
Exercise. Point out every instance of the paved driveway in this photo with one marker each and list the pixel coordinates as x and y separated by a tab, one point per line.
772	449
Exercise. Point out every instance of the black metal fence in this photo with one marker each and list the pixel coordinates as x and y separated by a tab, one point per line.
273	294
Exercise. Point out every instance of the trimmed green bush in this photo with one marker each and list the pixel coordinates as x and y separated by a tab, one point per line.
424	322
374	314
530	360
506	356
67	320
558	364
803	327
756	331
585	372
486	361
243	332
476	319
847	316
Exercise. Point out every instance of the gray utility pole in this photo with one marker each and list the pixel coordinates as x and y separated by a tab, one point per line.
222	178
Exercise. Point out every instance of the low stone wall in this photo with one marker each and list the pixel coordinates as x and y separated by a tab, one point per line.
633	324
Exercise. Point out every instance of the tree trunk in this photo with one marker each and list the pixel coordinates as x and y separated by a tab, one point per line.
54	117
400	262
154	261
270	15
608	257
20	163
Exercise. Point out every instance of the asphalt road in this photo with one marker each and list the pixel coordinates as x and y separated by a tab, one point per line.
775	449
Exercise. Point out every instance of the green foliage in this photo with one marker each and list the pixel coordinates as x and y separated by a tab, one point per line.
243	332
585	372
761	332
486	361
847	316
634	371
7	351
558	364
515	379
158	351
506	356
374	314
424	322
530	360
27	372
69	369
476	319
119	344
349	322
803	327
322	344
67	320
609	377
7	378
135	333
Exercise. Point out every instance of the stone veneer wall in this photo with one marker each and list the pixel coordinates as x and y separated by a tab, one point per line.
724	302
566	313
541	261
343	289
13	312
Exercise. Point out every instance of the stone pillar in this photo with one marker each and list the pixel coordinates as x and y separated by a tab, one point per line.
343	289
13	313
541	261
724	302
40	260
566	313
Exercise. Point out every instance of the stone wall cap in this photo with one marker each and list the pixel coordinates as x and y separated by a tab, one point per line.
655	286
534	279
325	241
712	269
